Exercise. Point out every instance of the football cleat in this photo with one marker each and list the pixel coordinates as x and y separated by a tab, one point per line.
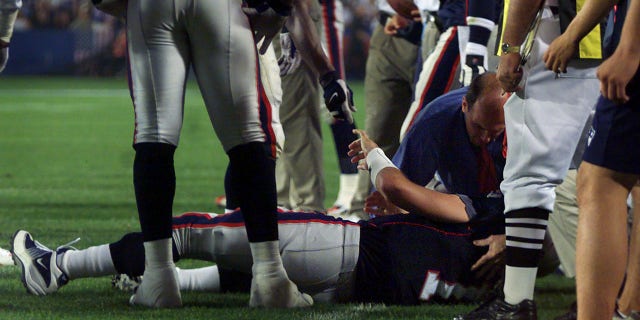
41	274
5	258
498	309
159	289
275	290
125	283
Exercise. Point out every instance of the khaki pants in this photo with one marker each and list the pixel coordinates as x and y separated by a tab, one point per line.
388	88
299	170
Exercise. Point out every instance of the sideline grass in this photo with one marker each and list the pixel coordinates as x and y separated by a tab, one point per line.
66	172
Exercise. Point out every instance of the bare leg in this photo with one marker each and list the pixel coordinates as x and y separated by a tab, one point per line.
601	249
630	297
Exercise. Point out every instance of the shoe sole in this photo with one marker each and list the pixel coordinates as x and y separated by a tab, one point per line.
18	261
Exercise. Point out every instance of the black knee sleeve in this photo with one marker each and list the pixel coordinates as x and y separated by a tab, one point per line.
154	180
254	184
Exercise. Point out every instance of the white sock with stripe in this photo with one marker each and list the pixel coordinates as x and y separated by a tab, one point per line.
91	262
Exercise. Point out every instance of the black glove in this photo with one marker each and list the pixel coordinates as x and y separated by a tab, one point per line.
473	67
338	97
4	55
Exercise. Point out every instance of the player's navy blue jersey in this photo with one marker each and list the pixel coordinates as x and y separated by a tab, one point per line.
438	141
389	270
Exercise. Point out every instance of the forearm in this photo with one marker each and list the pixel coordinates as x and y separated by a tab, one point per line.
416	199
629	44
520	16
592	13
403	193
306	39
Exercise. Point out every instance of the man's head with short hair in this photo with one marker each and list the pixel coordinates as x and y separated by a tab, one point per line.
483	109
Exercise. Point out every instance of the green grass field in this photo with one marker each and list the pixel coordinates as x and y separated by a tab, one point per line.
66	172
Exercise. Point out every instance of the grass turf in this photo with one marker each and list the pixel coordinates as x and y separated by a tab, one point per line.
66	172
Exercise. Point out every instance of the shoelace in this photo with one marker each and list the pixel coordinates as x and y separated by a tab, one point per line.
67	245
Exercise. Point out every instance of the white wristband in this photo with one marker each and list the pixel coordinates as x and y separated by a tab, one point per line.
377	160
8	18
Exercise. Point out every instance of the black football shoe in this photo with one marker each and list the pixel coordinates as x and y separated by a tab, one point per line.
498	309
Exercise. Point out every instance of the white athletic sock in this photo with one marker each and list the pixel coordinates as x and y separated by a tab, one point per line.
91	262
200	279
158	254
519	284
348	185
266	257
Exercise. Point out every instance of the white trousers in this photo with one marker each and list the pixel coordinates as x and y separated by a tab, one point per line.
165	38
544	122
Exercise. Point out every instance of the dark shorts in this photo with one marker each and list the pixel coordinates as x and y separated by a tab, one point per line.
614	141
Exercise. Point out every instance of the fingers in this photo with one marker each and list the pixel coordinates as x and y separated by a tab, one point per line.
479	263
482	242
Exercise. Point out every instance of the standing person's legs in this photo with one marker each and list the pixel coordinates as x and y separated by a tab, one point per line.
601	252
300	170
438	75
544	122
608	173
388	88
159	60
629	300
563	223
342	131
226	68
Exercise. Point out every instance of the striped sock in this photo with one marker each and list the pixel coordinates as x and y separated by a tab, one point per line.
525	231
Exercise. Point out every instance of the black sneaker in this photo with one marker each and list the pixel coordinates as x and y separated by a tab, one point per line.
498	309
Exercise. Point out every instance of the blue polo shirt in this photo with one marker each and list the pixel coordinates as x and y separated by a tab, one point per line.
438	141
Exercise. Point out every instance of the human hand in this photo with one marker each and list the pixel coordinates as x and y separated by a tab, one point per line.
489	269
395	23
615	73
4	54
378	205
290	59
338	97
359	149
559	53
473	67
495	253
509	72
265	25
